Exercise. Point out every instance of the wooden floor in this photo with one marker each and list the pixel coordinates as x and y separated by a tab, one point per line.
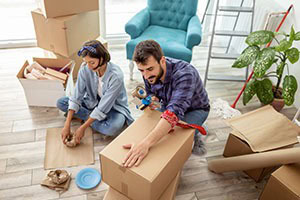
23	128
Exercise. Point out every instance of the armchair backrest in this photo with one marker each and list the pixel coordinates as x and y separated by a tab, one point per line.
172	13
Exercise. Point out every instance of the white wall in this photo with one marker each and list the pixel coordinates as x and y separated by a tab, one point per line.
292	20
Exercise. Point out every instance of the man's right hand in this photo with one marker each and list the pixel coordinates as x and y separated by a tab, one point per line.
65	133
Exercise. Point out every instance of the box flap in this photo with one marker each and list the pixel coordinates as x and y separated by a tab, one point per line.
289	175
133	134
265	129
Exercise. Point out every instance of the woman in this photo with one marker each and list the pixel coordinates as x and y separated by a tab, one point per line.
100	98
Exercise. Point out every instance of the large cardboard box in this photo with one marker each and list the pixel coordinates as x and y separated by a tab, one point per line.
259	131
169	193
65	35
58	8
284	184
78	60
159	167
46	92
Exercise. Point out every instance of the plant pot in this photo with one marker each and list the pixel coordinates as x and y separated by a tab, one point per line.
278	104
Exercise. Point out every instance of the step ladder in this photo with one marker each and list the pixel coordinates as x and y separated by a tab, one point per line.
231	34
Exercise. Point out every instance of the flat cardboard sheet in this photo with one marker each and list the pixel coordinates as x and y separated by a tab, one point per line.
59	155
255	161
265	129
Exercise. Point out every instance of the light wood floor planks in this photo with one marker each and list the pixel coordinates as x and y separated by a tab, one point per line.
23	130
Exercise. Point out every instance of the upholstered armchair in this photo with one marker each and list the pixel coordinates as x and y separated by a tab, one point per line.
172	23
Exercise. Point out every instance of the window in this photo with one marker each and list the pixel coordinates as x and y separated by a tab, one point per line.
15	20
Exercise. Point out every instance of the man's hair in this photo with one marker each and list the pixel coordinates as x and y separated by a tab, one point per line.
101	51
145	49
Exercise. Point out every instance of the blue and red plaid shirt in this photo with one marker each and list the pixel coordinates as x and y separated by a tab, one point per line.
182	89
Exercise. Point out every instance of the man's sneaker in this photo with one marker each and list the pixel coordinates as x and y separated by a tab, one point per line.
199	146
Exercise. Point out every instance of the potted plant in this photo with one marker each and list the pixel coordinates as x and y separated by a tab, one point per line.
266	58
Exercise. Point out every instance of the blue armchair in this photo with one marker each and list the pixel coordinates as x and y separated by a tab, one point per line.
172	23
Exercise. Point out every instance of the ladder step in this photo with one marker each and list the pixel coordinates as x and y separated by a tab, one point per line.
226	78
233	33
235	9
224	55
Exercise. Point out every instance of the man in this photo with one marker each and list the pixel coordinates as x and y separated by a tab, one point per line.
178	86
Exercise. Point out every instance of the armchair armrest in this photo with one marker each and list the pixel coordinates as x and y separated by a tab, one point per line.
138	23
194	32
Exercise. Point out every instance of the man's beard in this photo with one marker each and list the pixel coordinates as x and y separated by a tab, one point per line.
158	77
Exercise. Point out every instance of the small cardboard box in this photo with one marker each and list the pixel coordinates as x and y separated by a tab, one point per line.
284	184
261	130
169	193
65	35
150	179
46	92
78	60
58	8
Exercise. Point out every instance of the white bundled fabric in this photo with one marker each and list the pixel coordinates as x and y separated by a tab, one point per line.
223	109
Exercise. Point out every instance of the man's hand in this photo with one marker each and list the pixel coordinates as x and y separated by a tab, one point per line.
154	103
79	133
136	154
65	133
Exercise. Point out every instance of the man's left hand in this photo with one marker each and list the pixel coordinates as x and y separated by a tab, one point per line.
136	154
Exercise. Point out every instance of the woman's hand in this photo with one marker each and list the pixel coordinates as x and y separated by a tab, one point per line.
65	133
79	133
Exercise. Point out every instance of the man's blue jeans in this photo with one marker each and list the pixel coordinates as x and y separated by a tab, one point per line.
112	125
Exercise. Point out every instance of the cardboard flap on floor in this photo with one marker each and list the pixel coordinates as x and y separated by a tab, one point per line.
159	167
265	129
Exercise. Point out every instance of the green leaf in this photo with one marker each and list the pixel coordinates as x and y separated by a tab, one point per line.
297	36
259	37
283	45
264	91
292	34
247	57
289	89
249	92
263	62
280	68
292	55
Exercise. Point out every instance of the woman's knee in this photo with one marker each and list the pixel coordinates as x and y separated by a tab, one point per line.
63	104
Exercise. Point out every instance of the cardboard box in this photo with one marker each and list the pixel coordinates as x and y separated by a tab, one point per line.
169	193
46	92
78	60
65	35
58	8
150	179
284	184
235	147
255	132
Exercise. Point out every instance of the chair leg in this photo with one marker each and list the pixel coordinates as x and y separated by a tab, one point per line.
131	66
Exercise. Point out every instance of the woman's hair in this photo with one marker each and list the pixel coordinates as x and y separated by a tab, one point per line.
95	49
145	49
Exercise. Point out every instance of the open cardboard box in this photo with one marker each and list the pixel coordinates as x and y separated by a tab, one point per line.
65	35
150	179
168	194
284	184
58	8
46	92
78	60
261	130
